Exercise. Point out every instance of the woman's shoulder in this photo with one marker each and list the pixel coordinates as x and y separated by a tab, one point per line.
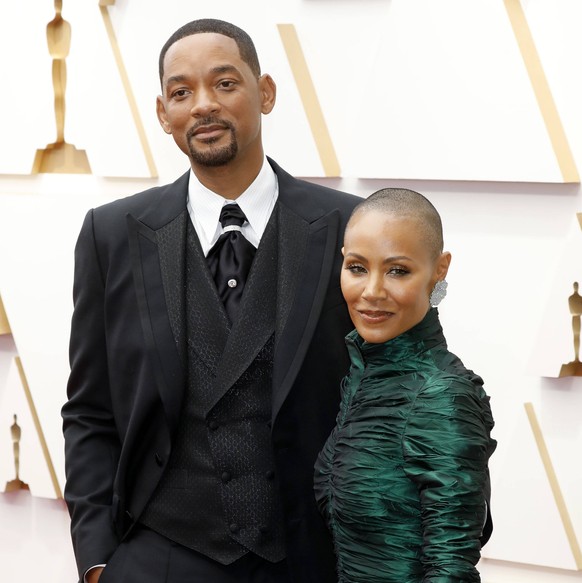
449	374
451	385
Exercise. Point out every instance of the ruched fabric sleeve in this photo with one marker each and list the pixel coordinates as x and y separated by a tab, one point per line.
446	446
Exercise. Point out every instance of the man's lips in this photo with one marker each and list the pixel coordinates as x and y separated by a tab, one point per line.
374	316
208	131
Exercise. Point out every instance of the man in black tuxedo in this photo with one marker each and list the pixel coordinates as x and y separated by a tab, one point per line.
196	412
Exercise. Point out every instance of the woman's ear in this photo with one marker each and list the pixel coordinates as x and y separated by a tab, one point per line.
442	265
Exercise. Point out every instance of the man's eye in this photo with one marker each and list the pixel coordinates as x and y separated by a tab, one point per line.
226	84
179	93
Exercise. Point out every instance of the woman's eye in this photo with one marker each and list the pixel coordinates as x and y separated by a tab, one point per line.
355	268
398	271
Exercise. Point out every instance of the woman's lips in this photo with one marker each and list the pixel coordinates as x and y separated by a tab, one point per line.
374	316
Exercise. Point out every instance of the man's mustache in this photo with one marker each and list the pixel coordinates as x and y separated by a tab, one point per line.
209	121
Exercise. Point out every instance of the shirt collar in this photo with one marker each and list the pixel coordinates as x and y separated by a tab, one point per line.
257	203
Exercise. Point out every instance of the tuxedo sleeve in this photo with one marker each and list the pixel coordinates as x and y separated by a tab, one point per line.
91	441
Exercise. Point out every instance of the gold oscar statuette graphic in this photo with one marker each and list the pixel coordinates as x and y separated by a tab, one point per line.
60	157
17	483
574	368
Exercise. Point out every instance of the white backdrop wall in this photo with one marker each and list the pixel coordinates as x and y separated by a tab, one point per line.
432	95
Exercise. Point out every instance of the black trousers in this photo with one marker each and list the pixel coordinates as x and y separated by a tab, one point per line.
147	557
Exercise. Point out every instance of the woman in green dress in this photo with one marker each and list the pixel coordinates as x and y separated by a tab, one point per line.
403	481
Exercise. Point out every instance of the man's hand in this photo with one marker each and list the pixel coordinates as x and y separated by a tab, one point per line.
92	576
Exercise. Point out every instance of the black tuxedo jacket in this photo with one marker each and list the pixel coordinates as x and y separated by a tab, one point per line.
127	362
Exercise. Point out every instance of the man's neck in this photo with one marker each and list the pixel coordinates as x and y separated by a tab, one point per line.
230	180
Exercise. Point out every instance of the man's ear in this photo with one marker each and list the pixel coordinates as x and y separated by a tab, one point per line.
268	91
162	117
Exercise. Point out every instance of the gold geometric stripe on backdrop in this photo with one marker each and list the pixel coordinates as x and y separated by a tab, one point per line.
36	420
557	492
542	91
4	325
309	99
127	86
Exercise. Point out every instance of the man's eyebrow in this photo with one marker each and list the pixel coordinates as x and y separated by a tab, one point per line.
224	69
175	79
219	69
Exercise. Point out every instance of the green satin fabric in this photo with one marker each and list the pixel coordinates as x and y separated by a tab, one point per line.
401	479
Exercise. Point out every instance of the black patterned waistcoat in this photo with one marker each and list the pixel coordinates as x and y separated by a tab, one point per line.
219	494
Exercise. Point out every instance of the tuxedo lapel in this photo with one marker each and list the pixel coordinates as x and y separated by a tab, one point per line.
157	240
158	334
308	238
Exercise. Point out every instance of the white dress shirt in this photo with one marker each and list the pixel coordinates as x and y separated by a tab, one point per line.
256	202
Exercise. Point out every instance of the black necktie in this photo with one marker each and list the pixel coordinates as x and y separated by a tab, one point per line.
230	259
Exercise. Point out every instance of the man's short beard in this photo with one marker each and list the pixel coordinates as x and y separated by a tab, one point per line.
212	157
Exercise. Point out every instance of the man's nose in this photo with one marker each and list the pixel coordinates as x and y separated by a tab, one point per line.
205	103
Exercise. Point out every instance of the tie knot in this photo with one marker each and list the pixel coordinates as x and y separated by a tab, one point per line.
231	214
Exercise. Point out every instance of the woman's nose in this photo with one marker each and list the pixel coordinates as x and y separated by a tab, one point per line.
374	288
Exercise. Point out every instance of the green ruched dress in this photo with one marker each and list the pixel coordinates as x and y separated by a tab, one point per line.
402	480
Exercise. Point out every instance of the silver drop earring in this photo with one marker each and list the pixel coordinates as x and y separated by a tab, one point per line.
438	293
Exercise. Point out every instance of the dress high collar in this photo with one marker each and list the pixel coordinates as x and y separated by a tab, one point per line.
409	345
